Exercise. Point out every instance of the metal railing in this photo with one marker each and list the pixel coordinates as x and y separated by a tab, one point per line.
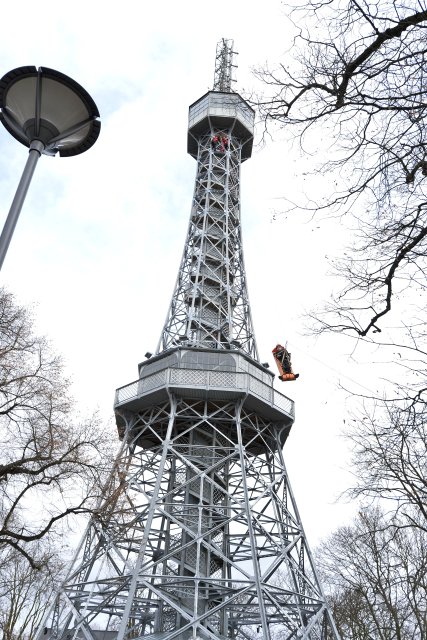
185	377
229	104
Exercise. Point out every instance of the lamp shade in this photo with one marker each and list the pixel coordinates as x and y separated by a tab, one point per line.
46	105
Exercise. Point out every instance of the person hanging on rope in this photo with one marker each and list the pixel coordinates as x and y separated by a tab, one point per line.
284	364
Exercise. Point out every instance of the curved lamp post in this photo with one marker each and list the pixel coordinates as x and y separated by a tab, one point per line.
50	113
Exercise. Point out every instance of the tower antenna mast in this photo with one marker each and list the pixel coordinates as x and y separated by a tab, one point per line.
224	66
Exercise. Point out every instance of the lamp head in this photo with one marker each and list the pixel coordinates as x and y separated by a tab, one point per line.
48	106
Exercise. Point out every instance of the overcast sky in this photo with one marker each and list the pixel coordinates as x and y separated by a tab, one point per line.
100	237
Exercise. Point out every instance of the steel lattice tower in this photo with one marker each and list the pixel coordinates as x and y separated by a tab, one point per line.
199	535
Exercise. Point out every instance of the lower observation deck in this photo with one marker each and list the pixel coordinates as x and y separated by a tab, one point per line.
211	375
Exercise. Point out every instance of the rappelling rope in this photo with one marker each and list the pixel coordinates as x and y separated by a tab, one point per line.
339	373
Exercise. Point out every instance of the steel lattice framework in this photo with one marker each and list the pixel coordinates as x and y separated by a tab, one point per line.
198	535
210	306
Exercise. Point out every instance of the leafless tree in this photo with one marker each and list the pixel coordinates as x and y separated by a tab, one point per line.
390	458
26	592
375	574
52	461
356	76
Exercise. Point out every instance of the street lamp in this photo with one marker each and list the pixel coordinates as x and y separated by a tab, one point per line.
50	113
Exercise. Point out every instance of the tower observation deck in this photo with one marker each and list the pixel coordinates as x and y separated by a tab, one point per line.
198	534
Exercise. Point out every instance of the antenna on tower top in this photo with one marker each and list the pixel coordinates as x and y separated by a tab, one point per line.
224	66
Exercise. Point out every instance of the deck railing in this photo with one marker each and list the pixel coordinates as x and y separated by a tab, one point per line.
183	377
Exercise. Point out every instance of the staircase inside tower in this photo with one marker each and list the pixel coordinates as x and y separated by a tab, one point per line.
198	502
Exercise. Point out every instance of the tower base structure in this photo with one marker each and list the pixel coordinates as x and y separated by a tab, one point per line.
199	535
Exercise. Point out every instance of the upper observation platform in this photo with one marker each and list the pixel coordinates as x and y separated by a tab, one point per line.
218	110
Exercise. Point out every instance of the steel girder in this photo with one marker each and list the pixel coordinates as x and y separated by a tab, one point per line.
197	537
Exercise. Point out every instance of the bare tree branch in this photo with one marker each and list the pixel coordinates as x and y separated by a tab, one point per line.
53	463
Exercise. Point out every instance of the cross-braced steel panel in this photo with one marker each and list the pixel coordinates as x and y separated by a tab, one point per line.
199	536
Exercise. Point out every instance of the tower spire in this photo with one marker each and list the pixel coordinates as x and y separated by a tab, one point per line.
224	65
199	536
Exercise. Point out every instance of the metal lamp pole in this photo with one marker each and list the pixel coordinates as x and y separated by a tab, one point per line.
36	150
50	113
